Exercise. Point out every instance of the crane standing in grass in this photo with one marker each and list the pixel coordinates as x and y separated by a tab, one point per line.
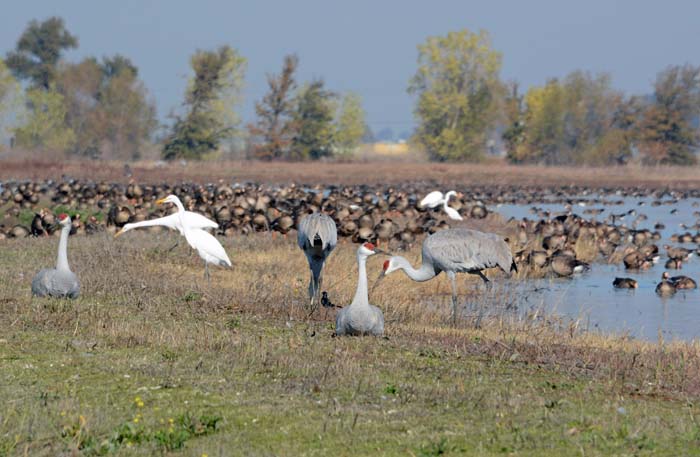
456	251
361	318
317	237
59	281
206	245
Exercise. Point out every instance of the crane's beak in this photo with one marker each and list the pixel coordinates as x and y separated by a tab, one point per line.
381	251
161	201
119	233
378	280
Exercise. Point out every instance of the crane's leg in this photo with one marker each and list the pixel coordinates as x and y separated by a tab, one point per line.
206	274
483	277
454	297
177	243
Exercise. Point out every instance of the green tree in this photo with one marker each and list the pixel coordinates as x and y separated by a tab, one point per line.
273	132
107	107
45	126
458	91
39	50
313	116
667	134
211	99
350	125
10	103
577	120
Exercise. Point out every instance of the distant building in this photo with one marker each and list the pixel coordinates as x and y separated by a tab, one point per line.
390	148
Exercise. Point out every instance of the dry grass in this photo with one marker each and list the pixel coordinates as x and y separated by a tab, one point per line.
247	350
491	173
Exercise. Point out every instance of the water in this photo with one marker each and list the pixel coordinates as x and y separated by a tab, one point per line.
590	297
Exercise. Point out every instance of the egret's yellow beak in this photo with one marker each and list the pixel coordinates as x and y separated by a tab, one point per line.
120	232
161	201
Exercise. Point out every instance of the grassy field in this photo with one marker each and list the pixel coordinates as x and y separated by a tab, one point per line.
494	172
150	361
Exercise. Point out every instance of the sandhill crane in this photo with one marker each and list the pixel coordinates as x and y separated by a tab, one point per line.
59	281
456	251
317	237
208	247
435	198
361	318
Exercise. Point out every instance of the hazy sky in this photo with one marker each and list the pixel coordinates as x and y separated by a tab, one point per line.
370	46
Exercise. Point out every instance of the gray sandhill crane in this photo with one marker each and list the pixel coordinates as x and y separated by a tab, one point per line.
59	281
454	251
317	237
361	318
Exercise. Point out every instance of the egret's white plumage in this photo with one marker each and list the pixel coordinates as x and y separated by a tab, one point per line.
59	281
206	245
172	221
435	198
361	318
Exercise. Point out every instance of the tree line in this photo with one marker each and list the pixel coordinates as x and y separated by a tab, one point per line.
100	108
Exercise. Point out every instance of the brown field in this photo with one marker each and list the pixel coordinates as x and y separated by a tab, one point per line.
491	173
151	361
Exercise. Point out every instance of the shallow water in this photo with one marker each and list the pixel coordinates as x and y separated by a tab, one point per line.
591	298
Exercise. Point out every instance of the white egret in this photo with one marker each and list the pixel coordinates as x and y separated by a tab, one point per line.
172	221
435	198
206	245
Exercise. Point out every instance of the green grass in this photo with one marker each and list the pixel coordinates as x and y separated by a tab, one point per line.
147	362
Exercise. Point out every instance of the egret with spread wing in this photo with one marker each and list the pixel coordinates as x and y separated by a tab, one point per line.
206	245
172	221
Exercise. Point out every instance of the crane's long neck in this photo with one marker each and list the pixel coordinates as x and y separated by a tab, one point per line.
361	299
62	262
424	273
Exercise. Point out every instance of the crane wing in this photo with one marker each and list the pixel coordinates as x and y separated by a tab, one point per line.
319	227
465	250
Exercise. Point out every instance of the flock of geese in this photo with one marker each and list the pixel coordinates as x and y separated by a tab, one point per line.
457	250
392	217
